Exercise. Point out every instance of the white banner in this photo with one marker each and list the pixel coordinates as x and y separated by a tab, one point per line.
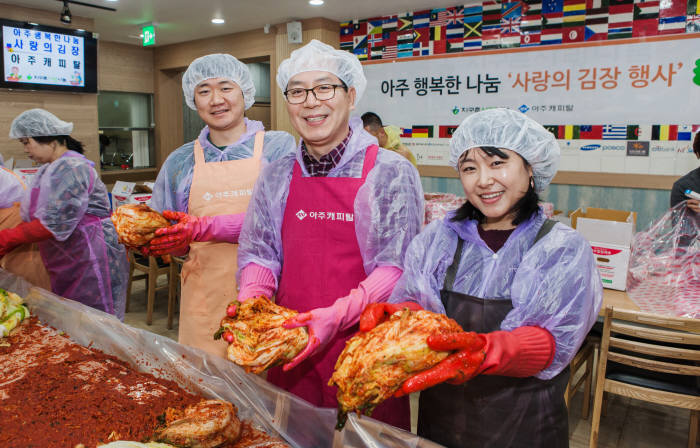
627	108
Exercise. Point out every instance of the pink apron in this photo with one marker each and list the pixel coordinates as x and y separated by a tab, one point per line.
79	266
323	263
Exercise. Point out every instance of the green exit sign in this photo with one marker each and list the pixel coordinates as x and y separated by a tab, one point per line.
149	35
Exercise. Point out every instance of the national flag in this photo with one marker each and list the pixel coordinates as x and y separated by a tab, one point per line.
692	24
389	38
573	34
455	45
375	40
551	36
644	132
421	19
552	6
455	32
359	28
346	29
472	28
574	12
446	131
455	16
685	132
360	52
491	17
405	36
404	50
390	52
646	19
664	132
614	132
422	131
595	4
491	41
437	37
390	24
672	16
346	34
620	2
693	7
531	23
553	128
632	132
532	7
422	48
571	132
359	42
437	33
405	22
438	17
375	26
406	132
511	15
596	24
530	38
620	21
591	132
376	52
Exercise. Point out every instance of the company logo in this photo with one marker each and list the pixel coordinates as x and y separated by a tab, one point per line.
590	147
523	108
208	196
455	110
696	70
301	214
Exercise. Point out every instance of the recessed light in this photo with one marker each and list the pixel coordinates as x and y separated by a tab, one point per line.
33	23
81	30
315	2
218	21
141	35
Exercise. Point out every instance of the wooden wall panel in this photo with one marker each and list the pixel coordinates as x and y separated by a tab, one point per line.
81	109
124	68
260	112
168	113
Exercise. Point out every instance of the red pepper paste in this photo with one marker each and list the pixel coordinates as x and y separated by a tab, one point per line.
55	393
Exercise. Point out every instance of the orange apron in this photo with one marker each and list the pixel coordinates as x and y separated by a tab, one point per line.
209	274
24	260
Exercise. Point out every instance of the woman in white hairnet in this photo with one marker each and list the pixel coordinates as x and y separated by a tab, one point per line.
67	213
205	185
328	225
524	288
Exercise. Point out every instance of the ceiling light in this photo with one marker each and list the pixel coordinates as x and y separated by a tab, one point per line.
141	36
315	2
66	16
218	21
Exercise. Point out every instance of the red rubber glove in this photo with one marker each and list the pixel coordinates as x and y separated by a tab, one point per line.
176	239
522	352
376	313
27	232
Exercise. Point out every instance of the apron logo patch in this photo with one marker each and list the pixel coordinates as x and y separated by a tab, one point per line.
326	216
301	214
207	196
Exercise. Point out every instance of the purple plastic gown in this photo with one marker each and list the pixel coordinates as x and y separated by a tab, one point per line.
85	261
172	188
11	188
554	284
388	209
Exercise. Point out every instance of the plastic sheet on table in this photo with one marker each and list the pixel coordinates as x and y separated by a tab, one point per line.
269	408
664	268
438	204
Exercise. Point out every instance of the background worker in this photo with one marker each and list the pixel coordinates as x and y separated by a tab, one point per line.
387	136
67	214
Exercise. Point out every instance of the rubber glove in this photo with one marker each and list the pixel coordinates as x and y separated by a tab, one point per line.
27	232
324	323
176	239
376	313
521	352
255	281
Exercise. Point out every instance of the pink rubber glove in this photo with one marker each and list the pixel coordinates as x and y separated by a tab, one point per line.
176	239
324	323
26	232
255	281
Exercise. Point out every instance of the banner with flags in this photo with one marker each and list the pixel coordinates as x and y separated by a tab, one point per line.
594	99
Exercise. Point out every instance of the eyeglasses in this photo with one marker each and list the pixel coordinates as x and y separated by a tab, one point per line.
321	92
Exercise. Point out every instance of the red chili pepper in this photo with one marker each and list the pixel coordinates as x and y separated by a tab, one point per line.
228	336
231	310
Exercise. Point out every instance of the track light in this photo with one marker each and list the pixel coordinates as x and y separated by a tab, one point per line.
66	16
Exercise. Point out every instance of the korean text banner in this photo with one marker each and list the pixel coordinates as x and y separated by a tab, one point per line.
631	101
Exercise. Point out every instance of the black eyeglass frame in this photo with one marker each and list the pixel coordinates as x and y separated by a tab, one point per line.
312	90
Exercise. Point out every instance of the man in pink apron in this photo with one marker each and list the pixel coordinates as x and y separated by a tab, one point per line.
327	226
205	186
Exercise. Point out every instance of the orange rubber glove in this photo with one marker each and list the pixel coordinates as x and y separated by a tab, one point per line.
376	313
27	232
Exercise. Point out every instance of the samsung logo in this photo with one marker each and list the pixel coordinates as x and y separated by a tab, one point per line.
590	147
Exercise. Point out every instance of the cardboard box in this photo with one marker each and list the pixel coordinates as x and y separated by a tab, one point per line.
131	193
26	169
610	234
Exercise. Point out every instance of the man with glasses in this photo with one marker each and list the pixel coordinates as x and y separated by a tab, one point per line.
328	226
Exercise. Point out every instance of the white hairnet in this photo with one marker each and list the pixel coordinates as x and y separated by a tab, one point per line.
38	123
509	129
218	66
317	56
